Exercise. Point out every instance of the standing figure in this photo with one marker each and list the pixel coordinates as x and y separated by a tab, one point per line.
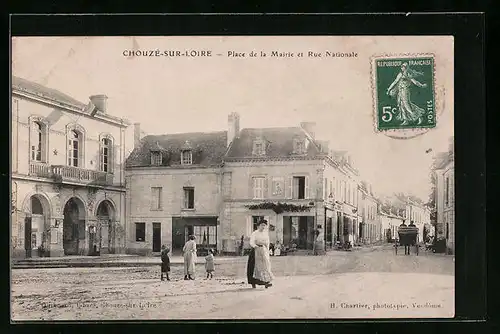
259	262
400	89
189	258
319	244
165	262
209	264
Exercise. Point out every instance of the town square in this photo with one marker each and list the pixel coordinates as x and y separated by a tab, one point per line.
192	200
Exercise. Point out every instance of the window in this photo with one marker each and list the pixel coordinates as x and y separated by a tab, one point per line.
140	231
105	155
447	191
299	187
299	146
332	190
255	222
74	147
205	234
258	187
156	198
38	142
188	198
258	147
156	158
186	157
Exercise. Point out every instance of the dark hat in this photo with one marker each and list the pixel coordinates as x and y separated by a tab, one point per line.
263	221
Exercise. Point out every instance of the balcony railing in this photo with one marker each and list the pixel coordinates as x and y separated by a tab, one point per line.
68	173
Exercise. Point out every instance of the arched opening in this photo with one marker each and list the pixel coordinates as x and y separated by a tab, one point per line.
36	230
106	217
74	227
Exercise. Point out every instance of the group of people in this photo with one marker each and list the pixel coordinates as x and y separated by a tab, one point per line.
189	251
258	266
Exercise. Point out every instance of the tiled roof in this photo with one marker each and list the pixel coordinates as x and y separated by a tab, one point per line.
45	92
208	149
279	142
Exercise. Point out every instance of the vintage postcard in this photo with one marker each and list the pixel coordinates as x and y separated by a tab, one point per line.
249	177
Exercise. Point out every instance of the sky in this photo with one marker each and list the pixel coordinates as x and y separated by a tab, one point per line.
191	94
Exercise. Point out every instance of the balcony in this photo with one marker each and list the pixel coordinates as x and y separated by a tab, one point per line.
62	173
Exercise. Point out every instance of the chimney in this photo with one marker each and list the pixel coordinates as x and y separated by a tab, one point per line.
100	101
137	134
309	127
233	127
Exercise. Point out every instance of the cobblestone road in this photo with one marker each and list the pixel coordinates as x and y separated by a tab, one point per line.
369	283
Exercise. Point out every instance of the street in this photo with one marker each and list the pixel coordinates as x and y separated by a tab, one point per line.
366	283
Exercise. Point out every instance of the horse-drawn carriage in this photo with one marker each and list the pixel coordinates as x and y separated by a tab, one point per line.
408	237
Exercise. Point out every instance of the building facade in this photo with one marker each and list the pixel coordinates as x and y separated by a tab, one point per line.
390	223
370	229
445	198
174	190
68	186
218	185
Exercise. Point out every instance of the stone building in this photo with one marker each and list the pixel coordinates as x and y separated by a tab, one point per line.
68	192
218	185
174	190
370	230
420	215
390	223
445	196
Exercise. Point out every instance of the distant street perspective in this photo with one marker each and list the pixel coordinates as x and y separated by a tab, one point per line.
371	282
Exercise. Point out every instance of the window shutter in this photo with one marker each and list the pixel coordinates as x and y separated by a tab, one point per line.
289	188
251	185
306	188
266	188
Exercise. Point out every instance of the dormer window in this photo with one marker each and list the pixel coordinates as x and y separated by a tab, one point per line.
259	147
299	146
156	158
187	157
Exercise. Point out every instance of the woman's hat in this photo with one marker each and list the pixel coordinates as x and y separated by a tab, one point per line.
263	221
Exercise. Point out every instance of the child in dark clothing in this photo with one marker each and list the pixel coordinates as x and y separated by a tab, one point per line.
165	262
209	263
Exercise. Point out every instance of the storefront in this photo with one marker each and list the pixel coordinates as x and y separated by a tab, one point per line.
203	228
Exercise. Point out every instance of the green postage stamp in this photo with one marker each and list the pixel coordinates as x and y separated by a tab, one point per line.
404	93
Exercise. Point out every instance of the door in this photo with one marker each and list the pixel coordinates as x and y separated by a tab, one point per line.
27	236
303	233
156	237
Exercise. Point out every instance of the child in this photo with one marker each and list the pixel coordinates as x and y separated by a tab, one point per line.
209	263
165	262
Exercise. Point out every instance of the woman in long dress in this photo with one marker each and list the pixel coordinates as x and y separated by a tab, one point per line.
189	258
259	262
319	244
400	88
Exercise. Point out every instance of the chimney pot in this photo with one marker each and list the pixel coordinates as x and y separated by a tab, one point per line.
100	101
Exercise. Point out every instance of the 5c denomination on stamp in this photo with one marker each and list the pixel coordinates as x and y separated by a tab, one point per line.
404	93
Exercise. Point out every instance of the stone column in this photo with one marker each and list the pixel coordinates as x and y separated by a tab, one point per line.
279	228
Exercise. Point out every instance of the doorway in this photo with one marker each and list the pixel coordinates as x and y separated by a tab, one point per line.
74	227
156	237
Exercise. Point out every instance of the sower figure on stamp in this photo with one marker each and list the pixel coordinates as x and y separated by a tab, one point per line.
400	88
165	262
259	262
189	258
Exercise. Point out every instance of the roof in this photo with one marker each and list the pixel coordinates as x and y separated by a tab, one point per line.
46	92
279	142
57	96
208	149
